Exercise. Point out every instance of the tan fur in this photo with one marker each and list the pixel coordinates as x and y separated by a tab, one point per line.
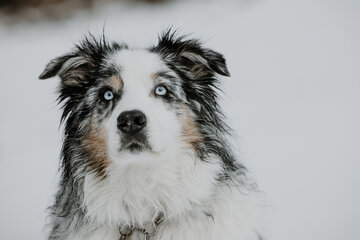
200	67
154	76
95	145
115	82
190	131
72	77
199	71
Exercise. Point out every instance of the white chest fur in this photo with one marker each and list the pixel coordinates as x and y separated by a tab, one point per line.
136	193
185	191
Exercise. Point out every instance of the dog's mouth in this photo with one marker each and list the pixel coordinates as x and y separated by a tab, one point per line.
134	143
135	147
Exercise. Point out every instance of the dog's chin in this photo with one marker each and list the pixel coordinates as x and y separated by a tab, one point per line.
135	144
135	147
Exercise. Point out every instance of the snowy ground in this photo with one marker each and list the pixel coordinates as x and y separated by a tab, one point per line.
293	99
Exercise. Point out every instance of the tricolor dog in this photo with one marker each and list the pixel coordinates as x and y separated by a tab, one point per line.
145	152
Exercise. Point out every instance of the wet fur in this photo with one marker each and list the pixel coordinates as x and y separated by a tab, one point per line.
199	186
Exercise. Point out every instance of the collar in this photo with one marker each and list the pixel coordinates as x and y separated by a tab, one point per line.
148	230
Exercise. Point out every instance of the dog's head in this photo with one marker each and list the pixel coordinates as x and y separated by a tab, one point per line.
121	104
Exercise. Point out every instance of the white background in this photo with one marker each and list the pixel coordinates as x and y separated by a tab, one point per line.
293	100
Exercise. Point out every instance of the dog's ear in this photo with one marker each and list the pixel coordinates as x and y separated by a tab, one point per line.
189	55
202	61
71	68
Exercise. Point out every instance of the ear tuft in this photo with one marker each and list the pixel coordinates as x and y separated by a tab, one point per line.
72	69
190	53
217	62
90	50
54	67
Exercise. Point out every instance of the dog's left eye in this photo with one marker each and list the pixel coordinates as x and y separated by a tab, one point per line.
108	95
161	90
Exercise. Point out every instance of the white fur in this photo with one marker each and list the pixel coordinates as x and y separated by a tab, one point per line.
169	179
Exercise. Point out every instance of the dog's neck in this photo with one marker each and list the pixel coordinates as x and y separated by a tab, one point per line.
136	193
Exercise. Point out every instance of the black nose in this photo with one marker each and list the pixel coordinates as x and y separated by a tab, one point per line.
131	121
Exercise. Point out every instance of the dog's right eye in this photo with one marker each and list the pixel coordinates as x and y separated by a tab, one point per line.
161	90
108	95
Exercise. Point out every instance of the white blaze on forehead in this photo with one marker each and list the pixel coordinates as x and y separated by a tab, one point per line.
138	64
137	70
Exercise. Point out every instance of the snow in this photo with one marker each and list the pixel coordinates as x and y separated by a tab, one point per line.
293	100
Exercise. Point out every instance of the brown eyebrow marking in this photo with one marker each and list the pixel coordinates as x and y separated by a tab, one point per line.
116	82
154	76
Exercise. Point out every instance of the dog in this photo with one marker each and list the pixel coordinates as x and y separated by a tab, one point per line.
145	152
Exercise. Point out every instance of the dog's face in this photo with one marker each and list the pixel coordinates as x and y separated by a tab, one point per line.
124	105
144	110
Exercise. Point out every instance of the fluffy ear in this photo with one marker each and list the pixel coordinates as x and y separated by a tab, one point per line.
71	69
53	67
216	62
190	54
204	61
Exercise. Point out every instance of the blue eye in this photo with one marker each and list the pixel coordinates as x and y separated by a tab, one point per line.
161	90
108	95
